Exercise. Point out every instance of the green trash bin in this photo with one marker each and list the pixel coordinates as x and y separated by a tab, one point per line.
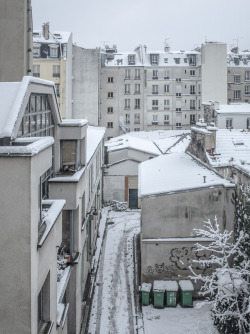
171	293
187	289
145	293
159	292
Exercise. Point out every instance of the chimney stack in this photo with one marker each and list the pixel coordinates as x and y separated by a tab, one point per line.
46	30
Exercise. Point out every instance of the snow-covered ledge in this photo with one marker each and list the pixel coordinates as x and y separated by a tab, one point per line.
27	146
50	218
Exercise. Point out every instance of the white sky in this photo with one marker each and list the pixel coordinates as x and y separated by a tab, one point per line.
186	23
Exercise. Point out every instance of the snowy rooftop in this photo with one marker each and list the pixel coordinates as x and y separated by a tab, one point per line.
232	148
94	137
175	172
74	122
154	142
241	59
12	95
55	37
237	108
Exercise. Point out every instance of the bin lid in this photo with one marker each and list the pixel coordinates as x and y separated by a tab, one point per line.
171	286
186	285
159	286
146	287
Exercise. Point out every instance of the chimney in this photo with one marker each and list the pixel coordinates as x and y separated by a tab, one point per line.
46	30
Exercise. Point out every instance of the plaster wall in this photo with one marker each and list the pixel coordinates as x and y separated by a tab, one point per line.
178	214
114	188
86	84
239	120
214	72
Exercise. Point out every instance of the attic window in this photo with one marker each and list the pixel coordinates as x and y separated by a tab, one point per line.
53	49
58	36
131	59
177	60
154	58
36	50
238	142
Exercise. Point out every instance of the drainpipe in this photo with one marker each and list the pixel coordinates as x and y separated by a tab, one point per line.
29	65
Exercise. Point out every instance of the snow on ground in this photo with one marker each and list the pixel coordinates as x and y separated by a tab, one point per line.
113	309
178	320
113	304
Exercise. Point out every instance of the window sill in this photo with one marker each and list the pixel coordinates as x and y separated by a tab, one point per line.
46	328
62	311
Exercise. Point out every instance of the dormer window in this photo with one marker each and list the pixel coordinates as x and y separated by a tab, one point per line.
154	59
36	50
177	60
192	60
53	51
131	59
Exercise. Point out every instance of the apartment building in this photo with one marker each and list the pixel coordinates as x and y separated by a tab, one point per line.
52	60
51	173
238	76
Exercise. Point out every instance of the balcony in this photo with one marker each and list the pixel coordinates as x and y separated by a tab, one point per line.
37	75
155	122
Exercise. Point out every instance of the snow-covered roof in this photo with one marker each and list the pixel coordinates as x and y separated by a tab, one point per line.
74	122
31	146
54	37
235	108
240	59
152	142
94	137
12	95
175	172
232	148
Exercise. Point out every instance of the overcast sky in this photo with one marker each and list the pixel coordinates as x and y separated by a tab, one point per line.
185	23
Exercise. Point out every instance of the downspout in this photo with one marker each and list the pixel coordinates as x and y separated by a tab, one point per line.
29	60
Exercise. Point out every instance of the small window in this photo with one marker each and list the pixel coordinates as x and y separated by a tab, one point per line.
131	59
155	119
136	118
229	123
247	75
154	59
110	95
110	79
110	125
155	74
136	129
36	50
155	89
127	103
192	119
127	74
192	89
36	70
110	110
154	104
127	118
178	125
165	60
137	103
70	155
57	88
237	79
247	90
178	79
237	94
166	119
53	50
177	60
166	104
137	88
137	73
178	109
192	72
166	74
56	71
178	94
192	104
248	123
166	88
127	88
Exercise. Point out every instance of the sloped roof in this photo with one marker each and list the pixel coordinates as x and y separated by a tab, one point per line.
94	137
237	108
175	172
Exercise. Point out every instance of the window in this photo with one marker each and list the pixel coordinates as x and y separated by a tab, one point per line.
136	129
56	71
247	75
178	109
192	72
137	119
45	183
166	74
127	74
127	103
236	94
155	89
155	74
166	105
155	119
165	60
192	89
36	50
70	155
110	79
192	60
127	88
229	123
247	90
154	59
53	51
178	94
137	73
177	60
127	120
137	88
237	79
43	304
36	70
166	119
110	95
192	119
178	125
248	123
154	104
192	104
131	59
137	103
68	230
37	120
110	110
185	60
110	125
166	89
178	79
57	88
